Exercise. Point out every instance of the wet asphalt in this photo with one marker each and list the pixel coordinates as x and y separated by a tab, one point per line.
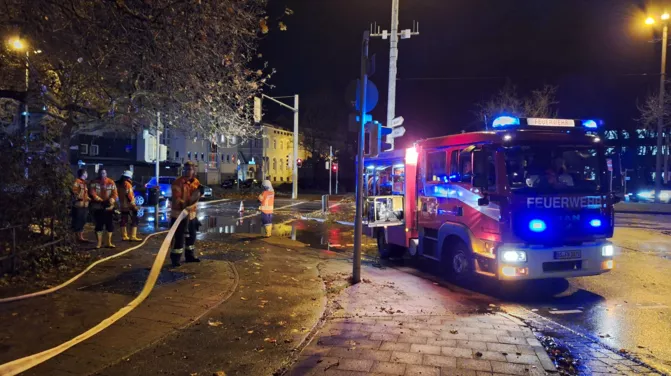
628	308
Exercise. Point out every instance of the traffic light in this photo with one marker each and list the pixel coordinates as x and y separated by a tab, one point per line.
386	141
299	163
334	166
371	144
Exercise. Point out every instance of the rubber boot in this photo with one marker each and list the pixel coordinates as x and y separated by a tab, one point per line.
109	241
133	235
268	230
124	234
99	238
174	258
190	256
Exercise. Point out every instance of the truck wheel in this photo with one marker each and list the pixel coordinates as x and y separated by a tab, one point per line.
458	262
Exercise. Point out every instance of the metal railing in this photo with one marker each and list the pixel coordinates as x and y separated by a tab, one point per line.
13	251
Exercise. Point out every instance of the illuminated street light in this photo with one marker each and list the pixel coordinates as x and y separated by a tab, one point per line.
649	21
665	16
17	44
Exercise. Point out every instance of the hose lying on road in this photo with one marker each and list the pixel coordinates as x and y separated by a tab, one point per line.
19	365
69	281
79	275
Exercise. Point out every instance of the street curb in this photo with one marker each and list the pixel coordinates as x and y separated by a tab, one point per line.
588	337
227	296
641	212
283	370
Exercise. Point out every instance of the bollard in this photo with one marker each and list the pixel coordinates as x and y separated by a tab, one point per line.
325	203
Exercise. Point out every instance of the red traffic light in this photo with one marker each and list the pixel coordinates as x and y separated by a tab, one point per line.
335	167
299	162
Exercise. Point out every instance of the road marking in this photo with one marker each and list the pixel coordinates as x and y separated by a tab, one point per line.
657	306
564	311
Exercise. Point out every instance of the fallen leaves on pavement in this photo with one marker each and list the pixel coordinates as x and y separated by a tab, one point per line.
214	323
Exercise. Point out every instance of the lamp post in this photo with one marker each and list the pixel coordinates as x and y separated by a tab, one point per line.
660	119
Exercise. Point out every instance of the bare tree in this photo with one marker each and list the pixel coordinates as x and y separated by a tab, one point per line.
540	103
651	112
111	65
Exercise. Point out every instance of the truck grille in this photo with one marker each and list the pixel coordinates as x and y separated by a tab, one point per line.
562	266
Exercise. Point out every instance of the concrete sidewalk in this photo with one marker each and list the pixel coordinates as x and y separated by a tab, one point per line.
394	323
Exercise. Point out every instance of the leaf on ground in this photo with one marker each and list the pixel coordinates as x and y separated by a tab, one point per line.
219	373
281	323
243	298
454	331
270	340
294	279
259	290
214	323
250	332
15	314
196	284
257	264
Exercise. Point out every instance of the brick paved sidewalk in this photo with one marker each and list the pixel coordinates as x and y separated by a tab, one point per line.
399	324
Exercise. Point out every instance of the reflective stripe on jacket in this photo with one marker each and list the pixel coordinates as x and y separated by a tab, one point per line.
126	196
104	189
183	191
267	199
80	190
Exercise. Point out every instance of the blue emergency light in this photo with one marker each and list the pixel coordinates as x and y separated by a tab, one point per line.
595	223
537	225
507	121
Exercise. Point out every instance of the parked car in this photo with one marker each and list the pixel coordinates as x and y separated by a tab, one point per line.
207	192
249	183
140	195
228	183
164	184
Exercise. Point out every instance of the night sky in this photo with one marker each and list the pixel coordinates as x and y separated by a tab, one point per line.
598	52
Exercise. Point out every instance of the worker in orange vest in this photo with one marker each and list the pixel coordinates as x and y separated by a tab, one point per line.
186	191
127	206
80	206
267	199
104	195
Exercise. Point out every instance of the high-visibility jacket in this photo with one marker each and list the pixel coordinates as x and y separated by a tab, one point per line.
80	190
267	199
185	193
105	189
126	196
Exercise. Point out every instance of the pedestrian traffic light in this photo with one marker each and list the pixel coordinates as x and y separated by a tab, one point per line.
299	163
386	141
334	166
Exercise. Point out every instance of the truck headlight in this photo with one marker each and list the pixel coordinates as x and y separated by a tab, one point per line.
514	256
607	250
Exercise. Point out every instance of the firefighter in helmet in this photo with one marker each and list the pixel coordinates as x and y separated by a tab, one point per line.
128	207
267	199
80	207
186	191
103	195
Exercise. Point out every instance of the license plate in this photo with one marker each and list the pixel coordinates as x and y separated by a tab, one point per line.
565	255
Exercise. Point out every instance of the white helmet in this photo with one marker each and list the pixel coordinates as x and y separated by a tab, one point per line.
128	174
267	185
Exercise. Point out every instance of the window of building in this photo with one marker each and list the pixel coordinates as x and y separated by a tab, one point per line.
202	156
281	164
281	178
274	164
177	154
188	153
281	145
228	158
275	144
274	178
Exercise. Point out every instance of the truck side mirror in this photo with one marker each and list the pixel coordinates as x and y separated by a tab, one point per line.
480	169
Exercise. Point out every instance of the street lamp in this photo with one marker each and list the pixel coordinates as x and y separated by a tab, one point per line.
660	120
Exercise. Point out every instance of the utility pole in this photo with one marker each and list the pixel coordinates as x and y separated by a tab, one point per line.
358	226
337	169
393	54
330	167
158	155
660	119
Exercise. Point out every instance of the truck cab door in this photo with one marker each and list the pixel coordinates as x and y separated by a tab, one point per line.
385	210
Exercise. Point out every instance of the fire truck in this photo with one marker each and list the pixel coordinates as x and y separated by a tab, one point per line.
529	199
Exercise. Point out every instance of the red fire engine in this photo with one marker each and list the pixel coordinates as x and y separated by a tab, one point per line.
528	200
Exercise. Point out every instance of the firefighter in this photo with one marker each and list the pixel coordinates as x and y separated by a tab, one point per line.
127	206
80	207
104	195
186	191
267	199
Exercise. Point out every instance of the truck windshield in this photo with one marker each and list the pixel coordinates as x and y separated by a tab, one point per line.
546	168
